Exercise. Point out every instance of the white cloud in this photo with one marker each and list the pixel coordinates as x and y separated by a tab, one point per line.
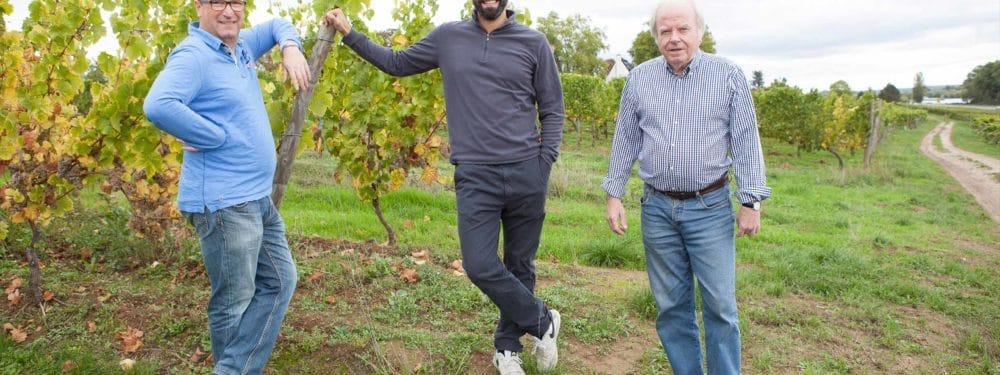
867	43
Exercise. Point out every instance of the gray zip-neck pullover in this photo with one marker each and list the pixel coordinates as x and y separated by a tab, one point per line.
492	84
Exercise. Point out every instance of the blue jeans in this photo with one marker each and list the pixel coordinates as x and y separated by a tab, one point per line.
684	240
511	197
253	276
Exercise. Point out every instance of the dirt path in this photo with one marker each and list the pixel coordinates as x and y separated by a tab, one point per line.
974	171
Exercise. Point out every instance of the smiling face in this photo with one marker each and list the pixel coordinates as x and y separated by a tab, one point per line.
678	34
489	9
224	24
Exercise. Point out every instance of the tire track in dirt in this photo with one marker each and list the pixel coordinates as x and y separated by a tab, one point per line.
973	171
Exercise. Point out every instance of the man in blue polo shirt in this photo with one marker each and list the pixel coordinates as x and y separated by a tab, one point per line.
208	96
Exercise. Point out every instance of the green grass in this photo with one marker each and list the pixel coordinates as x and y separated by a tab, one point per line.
890	270
966	138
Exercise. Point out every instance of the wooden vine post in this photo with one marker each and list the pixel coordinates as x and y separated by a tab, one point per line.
289	144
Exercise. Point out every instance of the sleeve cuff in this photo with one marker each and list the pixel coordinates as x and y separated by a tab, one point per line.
292	42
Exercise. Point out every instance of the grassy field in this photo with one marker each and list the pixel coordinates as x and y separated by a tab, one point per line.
966	138
892	270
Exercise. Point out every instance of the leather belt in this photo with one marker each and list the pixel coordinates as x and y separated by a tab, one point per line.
682	195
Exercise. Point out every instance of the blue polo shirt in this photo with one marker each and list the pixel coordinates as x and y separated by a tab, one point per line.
209	97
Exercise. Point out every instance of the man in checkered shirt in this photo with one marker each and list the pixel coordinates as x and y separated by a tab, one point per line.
687	117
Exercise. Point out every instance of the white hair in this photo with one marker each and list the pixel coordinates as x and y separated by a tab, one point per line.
699	20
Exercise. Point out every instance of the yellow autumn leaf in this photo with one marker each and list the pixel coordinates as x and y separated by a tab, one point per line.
434	141
429	175
400	40
396	179
30	213
269	88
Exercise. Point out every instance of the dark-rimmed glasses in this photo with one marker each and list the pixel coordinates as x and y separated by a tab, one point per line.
218	5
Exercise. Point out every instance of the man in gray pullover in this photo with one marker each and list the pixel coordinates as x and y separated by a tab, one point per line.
499	77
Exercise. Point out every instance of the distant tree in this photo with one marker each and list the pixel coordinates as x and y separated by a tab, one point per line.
644	46
919	88
575	43
982	85
890	93
707	41
758	79
840	88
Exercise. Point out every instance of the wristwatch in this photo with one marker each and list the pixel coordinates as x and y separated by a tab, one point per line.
755	205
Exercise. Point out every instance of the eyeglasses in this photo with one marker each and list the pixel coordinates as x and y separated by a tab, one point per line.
221	5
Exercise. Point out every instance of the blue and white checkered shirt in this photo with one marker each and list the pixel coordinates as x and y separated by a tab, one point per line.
683	129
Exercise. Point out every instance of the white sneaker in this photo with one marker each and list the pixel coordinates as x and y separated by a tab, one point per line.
508	363
545	349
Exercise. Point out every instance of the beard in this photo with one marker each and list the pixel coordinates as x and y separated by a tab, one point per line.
489	14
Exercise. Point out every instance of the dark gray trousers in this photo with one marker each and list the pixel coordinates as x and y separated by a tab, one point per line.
511	197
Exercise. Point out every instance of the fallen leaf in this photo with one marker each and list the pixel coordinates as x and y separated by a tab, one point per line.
427	218
130	339
85	253
420	257
315	275
330	299
91	326
8	326
456	265
81	289
14	284
14	297
68	366
104	298
18	335
417	368
407	223
48	295
126	364
197	356
409	275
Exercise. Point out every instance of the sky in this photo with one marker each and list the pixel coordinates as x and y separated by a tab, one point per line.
867	43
